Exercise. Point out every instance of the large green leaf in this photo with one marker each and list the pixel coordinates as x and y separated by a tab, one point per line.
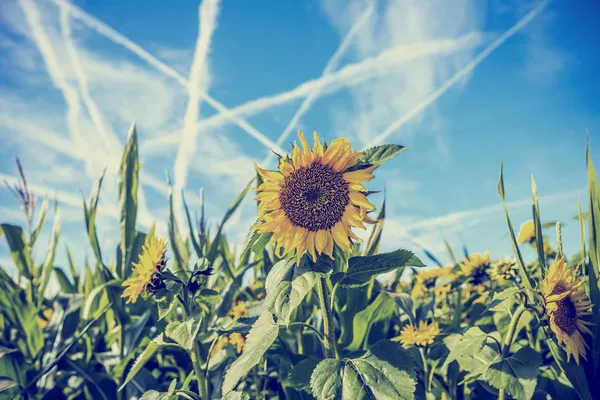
49	262
183	333
90	217
143	358
501	297
63	280
362	269
380	154
385	372
288	284
40	222
128	183
19	249
516	374
261	336
468	344
379	313
301	373
593	270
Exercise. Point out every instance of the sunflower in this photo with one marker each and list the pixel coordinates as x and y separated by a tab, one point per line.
236	339
475	267
147	271
425	279
239	310
482	292
421	335
526	232
566	304
221	343
503	270
314	199
45	318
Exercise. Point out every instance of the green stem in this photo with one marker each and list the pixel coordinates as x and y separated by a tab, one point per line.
195	356
308	326
329	340
508	339
425	367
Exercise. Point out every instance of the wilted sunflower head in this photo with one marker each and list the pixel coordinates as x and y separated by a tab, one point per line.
566	305
146	273
314	200
476	266
420	335
527	232
503	270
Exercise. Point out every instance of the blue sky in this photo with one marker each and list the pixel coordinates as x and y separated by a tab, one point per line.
466	84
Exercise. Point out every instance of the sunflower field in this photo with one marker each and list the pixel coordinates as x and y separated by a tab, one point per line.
300	311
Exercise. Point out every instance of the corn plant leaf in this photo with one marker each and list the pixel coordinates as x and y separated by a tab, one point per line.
194	240
40	222
49	262
465	345
378	314
521	265
143	358
19	249
516	374
128	182
300	375
361	269
385	372
261	336
74	272
134	331
288	284
537	224
179	246
90	217
91	301
380	154
6	384
99	385
214	247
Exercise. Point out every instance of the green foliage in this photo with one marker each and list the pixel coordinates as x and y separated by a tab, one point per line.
362	269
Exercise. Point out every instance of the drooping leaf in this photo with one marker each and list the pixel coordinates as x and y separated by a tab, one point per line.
143	358
516	374
385	372
361	269
261	336
379	312
19	249
288	284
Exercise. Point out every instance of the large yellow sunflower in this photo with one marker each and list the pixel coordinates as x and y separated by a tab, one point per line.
313	201
421	335
146	271
566	304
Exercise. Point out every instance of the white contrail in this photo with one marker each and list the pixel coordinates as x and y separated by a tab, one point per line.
32	17
198	83
329	67
348	76
459	75
111	143
104	30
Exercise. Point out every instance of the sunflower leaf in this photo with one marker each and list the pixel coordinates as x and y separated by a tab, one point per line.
361	269
380	154
143	358
500	297
465	345
386	371
516	374
373	322
263	333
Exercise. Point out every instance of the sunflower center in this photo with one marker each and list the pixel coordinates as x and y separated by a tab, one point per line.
315	197
566	314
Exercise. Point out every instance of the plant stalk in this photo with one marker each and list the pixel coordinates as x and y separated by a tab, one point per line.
508	340
329	340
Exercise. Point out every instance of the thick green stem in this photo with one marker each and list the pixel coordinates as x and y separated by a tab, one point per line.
196	361
425	368
329	341
508	339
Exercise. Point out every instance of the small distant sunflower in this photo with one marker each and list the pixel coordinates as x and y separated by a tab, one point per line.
425	279
421	335
313	201
221	343
45	318
147	271
476	267
482	292
239	310
566	305
526	232
238	340
503	270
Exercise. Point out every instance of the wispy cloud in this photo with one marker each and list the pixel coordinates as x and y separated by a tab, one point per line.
331	65
349	76
463	72
198	83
